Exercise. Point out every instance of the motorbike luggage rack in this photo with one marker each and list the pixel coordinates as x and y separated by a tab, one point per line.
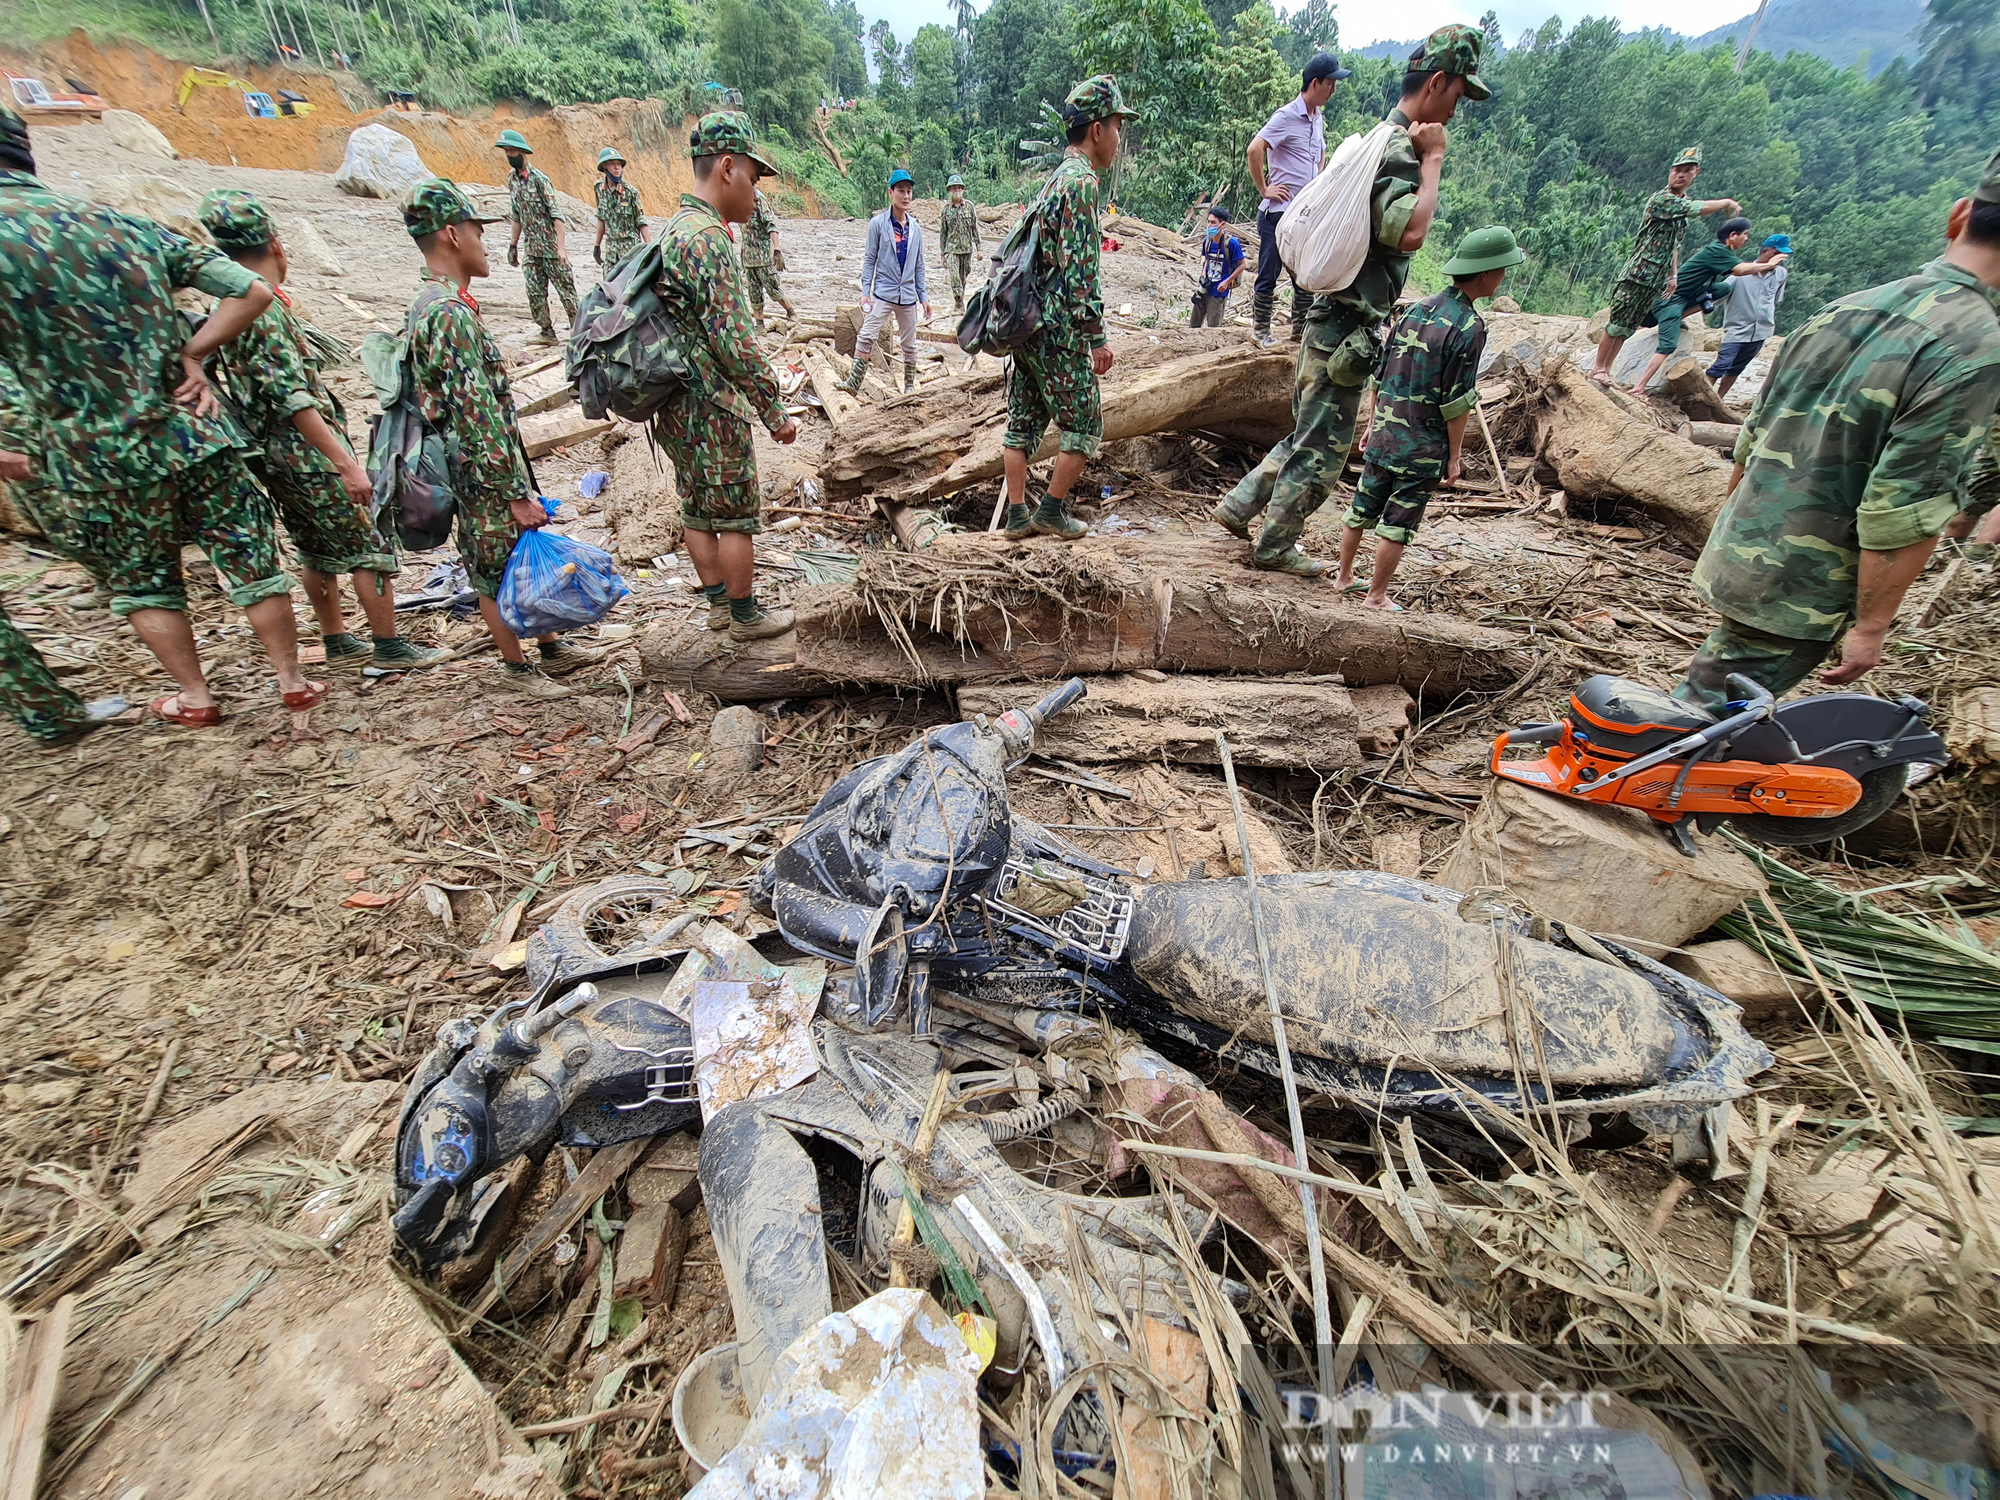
1096	927
669	1076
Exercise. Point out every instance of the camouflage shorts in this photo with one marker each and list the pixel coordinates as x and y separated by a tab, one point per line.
1053	381
1389	503
328	532
131	540
715	465
1777	662
1630	302
486	533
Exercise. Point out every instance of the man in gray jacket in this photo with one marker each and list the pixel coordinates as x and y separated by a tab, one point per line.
892	281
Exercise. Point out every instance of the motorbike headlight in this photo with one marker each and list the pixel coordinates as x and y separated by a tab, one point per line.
443	1144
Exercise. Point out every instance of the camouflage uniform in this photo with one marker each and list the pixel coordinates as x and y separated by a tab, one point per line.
1051	375
706	430
271	374
534	209
1982	480
1338	350
90	344
958	229
29	692
1429	376
623	217
1644	275
1859	440
760	273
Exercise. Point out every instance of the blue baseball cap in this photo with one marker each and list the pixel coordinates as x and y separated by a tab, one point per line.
1782	243
900	175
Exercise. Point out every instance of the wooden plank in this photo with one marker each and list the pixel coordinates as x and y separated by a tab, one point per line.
565	429
599	1175
536	366
544	390
31	1399
838	405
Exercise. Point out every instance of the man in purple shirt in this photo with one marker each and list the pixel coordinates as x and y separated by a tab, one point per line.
1284	156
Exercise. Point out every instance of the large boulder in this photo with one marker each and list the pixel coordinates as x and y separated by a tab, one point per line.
380	164
137	133
155	198
307	247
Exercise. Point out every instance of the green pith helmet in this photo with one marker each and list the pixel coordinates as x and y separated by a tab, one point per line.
1485	249
236	220
1454	49
954	181
437	204
513	140
609	154
1691	157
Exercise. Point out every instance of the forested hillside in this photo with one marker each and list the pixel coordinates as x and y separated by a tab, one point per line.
1859	170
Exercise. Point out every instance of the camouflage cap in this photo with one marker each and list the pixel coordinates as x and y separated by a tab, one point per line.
1097	98
1690	157
236	219
723	132
438	204
1454	49
1988	190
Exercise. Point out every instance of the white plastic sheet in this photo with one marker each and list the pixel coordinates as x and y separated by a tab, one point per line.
877	1403
1324	234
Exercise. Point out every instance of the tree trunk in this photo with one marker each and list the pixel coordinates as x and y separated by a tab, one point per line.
1720	435
1601	452
948	437
1282	721
1694	393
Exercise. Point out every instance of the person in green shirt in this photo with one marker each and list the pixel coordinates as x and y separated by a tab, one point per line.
1700	282
1651	270
1850	467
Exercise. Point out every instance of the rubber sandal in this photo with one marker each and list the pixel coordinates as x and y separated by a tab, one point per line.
1359	586
1392	608
305	697
187	718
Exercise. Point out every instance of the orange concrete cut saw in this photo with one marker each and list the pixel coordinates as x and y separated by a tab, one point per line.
1801	772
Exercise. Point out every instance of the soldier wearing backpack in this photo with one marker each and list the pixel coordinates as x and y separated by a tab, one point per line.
459	379
1055	374
1342	340
705	426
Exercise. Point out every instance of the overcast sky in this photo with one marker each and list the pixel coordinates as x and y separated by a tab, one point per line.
1362	23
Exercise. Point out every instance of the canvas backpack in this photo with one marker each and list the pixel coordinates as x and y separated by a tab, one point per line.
409	460
625	352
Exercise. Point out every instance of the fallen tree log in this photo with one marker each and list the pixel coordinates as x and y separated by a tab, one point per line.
975	608
1694	393
1721	435
1295	721
640	506
1600	452
939	442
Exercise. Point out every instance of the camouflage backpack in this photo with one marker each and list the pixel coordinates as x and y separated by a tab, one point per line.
409	460
624	353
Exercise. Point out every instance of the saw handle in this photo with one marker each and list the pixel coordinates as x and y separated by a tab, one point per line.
1533	734
1748	693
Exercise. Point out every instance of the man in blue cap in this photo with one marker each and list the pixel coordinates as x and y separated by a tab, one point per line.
1753	313
893	282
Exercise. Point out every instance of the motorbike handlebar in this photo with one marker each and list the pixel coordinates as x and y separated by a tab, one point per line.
1057	701
1748	693
1018	725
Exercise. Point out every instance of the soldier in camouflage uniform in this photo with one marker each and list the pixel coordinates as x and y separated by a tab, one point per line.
1649	272
1427	388
1054	375
621	217
543	261
1850	466
48	713
460	379
103	394
958	231
705	430
758	253
1981	500
323	495
1342	340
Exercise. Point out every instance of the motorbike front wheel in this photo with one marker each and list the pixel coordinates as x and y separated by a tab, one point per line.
1879	791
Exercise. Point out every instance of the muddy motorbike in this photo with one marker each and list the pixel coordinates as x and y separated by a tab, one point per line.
1399	996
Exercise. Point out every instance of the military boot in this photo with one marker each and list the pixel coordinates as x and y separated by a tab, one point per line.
1020	522
1052	518
1301	303
852	384
1261	307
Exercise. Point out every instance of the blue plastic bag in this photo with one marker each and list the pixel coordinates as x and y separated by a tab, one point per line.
553	583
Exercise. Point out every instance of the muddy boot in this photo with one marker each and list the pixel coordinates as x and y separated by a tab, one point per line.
1261	305
852	384
1230	523
394	654
790	311
523	677
1052	518
1301	304
1020	522
749	622
560	658
909	377
546	336
1291	560
347	652
717	596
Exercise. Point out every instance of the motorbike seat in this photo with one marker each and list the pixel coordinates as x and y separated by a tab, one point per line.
1630	717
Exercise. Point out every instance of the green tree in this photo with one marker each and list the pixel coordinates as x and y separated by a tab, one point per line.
847	73
933	75
1020	57
931	158
775	51
891	86
1311	29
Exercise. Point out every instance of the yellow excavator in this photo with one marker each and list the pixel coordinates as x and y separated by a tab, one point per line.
256	102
